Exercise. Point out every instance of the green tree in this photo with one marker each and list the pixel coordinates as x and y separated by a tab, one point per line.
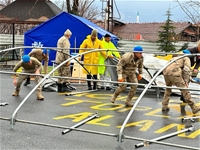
167	36
184	46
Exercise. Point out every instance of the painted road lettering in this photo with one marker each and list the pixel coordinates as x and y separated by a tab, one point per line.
98	102
83	115
145	124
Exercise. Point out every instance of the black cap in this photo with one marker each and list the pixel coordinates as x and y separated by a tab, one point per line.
107	35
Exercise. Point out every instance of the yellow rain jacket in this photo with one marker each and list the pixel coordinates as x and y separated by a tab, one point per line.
91	58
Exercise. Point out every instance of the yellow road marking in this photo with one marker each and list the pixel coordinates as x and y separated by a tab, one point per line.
145	124
97	120
76	117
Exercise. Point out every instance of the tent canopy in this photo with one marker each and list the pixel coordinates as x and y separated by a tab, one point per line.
48	33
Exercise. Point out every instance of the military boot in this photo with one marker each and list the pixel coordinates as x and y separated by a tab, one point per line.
195	108
39	95
66	88
165	103
16	93
113	98
59	87
165	108
128	102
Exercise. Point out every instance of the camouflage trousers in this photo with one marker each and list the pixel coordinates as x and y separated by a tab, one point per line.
178	82
21	78
127	78
64	71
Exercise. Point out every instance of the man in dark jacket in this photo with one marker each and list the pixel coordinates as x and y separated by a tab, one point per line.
195	60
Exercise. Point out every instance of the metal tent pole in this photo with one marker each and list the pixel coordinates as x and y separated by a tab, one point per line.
165	136
80	123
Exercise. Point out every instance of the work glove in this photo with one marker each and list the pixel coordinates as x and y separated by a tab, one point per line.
139	77
110	56
68	63
79	58
120	78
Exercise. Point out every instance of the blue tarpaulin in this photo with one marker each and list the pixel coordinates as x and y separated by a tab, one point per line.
48	33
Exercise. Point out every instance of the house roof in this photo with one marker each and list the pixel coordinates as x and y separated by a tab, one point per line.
148	31
29	11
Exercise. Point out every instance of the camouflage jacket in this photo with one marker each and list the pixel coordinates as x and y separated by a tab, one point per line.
38	54
35	64
129	64
179	68
63	42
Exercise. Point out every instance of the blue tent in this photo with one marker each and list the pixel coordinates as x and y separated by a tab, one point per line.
48	33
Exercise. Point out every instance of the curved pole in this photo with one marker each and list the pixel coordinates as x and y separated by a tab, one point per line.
52	48
143	92
30	74
45	77
127	83
55	48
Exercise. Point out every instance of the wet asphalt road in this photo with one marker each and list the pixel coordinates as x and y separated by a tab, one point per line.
58	110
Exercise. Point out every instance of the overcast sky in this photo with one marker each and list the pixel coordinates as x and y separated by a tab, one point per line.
149	11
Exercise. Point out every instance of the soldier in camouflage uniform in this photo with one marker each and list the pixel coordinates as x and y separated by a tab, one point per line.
126	70
41	55
29	65
64	70
178	73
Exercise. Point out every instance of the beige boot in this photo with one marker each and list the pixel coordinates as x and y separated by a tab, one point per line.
16	93
113	98
39	95
128	102
195	109
165	108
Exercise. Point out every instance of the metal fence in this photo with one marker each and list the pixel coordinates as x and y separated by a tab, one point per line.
125	45
150	46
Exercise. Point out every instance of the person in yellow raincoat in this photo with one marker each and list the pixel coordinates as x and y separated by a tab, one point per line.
103	72
91	42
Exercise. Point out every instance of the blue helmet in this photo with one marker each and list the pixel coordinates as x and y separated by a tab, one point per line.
45	51
186	51
137	48
26	58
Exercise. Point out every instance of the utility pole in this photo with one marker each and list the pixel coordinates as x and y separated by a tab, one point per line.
110	15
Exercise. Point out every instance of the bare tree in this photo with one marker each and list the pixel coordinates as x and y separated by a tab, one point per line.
83	8
89	10
191	9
